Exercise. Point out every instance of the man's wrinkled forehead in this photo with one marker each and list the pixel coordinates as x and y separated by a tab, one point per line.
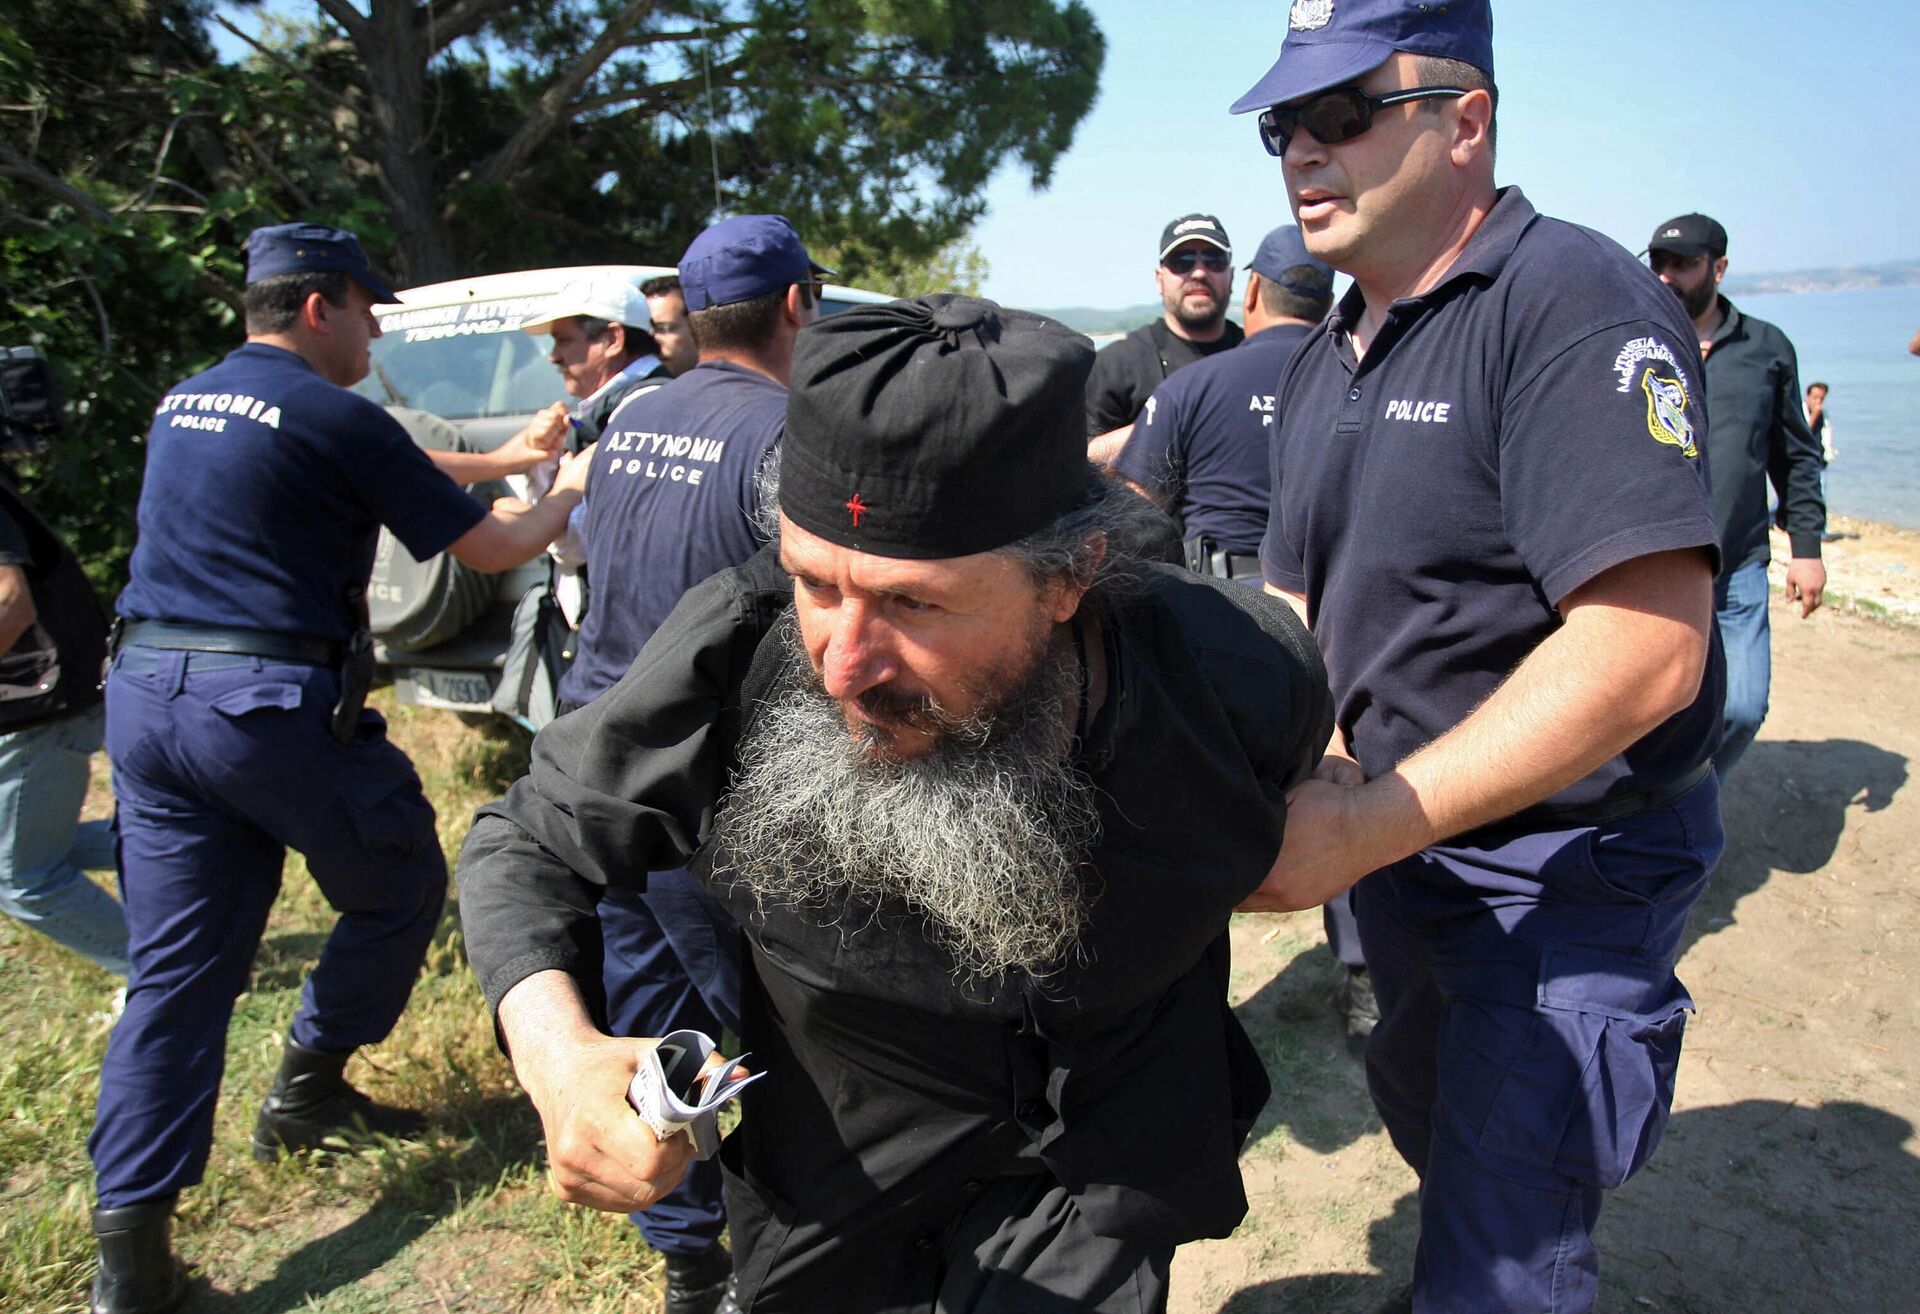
806	555
977	584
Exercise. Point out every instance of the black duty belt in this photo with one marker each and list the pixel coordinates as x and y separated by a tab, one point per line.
1206	557
1566	816
211	638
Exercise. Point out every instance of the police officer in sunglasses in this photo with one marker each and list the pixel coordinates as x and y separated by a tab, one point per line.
1494	514
1195	278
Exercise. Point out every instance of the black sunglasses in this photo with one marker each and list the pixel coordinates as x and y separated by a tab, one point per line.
1182	262
1336	116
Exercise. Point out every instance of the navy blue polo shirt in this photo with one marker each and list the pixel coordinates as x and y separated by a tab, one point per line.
1201	440
671	500
264	494
1532	421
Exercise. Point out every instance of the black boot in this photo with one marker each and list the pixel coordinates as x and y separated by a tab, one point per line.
138	1273
311	1107
1359	1011
702	1283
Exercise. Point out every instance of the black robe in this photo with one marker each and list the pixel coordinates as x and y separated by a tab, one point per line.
893	1080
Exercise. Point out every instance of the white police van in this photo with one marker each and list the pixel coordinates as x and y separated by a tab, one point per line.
453	367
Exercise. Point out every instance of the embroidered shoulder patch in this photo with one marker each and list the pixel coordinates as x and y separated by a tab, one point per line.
1667	412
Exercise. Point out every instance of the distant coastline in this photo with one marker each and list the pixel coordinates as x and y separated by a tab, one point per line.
1890	273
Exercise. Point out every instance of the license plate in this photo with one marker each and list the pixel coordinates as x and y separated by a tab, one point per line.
457	691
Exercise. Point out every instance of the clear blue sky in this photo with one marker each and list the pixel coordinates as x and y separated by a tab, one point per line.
1790	121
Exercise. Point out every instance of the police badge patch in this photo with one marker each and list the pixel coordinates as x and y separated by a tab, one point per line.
1667	412
1310	15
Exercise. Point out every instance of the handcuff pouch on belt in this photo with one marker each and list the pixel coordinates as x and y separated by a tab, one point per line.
1201	554
1205	556
356	668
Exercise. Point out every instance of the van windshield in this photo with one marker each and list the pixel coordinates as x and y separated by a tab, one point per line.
462	362
469	361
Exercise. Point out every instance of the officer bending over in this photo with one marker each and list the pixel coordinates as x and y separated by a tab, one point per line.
236	731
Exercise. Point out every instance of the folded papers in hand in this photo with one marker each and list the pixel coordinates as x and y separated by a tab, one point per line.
670	1093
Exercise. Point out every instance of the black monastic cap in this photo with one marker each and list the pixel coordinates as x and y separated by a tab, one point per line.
939	426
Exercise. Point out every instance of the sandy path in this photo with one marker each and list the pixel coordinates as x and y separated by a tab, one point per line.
1790	1176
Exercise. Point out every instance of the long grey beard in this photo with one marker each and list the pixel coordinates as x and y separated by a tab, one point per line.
984	837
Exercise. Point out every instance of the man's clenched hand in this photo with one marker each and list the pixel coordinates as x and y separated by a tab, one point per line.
600	1152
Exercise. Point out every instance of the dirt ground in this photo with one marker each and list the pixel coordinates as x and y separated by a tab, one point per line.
1789	1178
1872	569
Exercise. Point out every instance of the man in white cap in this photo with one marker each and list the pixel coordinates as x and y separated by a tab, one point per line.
603	347
605	351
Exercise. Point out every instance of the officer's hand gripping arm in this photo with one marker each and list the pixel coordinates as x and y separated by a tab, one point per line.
514	532
1630	654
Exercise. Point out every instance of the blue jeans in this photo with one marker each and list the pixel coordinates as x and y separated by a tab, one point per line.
1740	607
43	849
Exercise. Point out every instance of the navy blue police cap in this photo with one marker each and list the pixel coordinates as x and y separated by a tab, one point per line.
1331	43
1284	249
744	257
311	249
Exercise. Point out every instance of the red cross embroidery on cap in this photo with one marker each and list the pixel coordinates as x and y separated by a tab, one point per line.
859	508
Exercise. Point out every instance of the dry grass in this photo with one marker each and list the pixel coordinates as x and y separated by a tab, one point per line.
462	1221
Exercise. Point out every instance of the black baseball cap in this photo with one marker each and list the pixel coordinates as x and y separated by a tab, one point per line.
1690	235
1194	228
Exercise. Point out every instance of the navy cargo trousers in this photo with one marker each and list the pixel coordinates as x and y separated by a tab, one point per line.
1530	1028
222	762
672	961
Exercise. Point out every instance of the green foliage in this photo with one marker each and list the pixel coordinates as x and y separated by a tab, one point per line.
476	138
134	166
957	267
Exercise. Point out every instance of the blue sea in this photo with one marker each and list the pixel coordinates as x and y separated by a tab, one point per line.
1856	343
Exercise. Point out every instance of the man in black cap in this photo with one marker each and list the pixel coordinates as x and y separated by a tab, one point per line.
235	725
675	496
983	789
1759	435
1195	277
1493	507
1200	448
